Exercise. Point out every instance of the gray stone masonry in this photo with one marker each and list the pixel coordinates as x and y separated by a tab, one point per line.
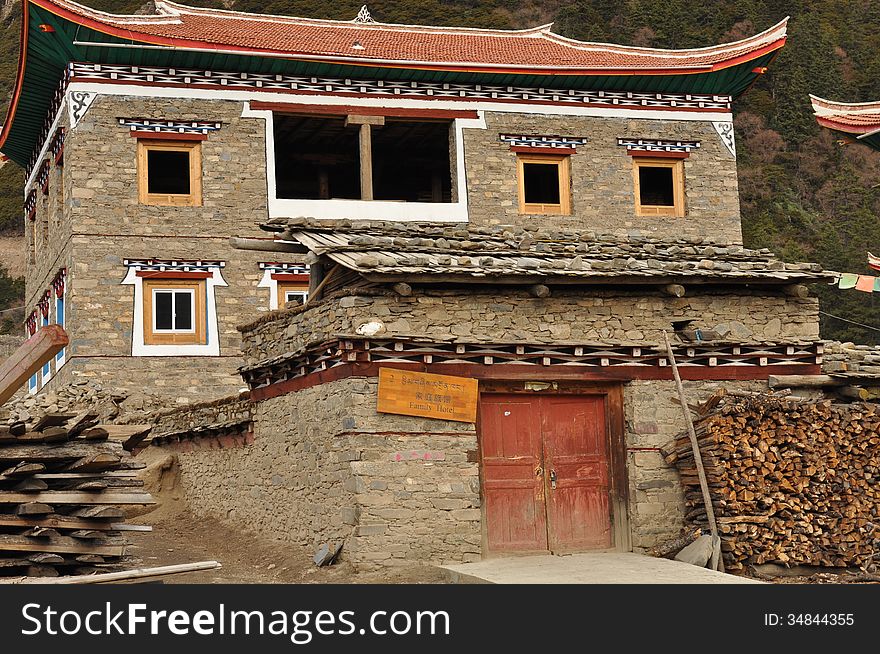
513	315
603	192
324	467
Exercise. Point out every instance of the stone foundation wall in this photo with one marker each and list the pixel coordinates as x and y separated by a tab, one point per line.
602	186
325	467
233	409
516	316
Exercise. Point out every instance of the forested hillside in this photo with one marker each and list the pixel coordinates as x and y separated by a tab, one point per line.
803	194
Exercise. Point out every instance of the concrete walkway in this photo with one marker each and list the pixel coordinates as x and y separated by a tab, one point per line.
590	568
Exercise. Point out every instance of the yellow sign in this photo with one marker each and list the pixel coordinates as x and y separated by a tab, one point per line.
428	396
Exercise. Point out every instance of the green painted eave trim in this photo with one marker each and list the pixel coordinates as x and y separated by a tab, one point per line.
48	54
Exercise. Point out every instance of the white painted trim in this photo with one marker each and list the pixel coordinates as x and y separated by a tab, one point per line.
287	97
370	209
141	349
61	357
192	310
272	285
46	376
62	109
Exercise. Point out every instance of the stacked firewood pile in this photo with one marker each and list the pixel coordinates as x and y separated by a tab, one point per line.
63	480
792	481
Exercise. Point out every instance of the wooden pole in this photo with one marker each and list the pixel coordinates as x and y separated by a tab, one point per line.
316	294
30	356
125	575
695	446
366	124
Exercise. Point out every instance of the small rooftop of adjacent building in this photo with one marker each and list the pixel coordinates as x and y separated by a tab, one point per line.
859	120
432	252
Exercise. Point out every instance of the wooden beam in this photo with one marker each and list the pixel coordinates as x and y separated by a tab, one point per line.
403	289
266	245
77	497
796	290
66	522
362	119
539	290
58	545
803	381
551	280
315	295
124	575
352	110
29	358
673	290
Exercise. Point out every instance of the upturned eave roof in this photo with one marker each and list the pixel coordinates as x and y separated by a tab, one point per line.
856	120
58	32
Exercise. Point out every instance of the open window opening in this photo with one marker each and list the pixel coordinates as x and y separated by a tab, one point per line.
362	158
544	184
169	173
659	187
411	161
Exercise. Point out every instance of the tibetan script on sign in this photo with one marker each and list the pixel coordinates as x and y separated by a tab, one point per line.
428	396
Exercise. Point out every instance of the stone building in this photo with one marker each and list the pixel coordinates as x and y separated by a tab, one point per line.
517	212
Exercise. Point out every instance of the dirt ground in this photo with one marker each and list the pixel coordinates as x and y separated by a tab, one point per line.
246	558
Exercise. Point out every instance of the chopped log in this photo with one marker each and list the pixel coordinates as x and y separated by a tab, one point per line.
90	558
18	428
87	534
94	462
41	532
796	290
95	434
76	497
46	557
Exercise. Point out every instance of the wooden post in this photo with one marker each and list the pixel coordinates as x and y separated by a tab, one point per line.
30	356
316	276
673	290
698	457
315	294
366	149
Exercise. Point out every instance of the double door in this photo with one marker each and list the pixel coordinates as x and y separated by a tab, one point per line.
546	472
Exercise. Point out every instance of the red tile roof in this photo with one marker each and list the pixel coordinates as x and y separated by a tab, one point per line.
430	47
848	117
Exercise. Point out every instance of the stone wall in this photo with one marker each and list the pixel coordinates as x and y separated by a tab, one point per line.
603	195
323	467
232	409
513	315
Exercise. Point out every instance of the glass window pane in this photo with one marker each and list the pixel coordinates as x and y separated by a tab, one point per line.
294	296
655	186
162	310
168	172
541	182
183	317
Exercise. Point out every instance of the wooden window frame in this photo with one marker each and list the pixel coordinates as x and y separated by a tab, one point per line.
291	287
563	162
677	209
194	150
197	335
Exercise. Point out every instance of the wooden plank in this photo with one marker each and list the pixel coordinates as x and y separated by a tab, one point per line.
40	453
94	463
29	358
124	575
803	381
115	474
77	497
81	422
60	545
68	522
429	396
23	470
99	512
53	420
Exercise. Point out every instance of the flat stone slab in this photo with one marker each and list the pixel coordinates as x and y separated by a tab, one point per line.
588	568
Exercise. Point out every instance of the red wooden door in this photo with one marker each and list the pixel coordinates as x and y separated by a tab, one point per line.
546	473
576	454
513	481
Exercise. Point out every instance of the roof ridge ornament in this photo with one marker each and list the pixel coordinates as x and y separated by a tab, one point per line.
364	16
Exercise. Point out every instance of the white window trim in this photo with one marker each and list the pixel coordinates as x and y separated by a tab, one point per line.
272	285
45	376
212	332
61	357
303	294
370	209
192	309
